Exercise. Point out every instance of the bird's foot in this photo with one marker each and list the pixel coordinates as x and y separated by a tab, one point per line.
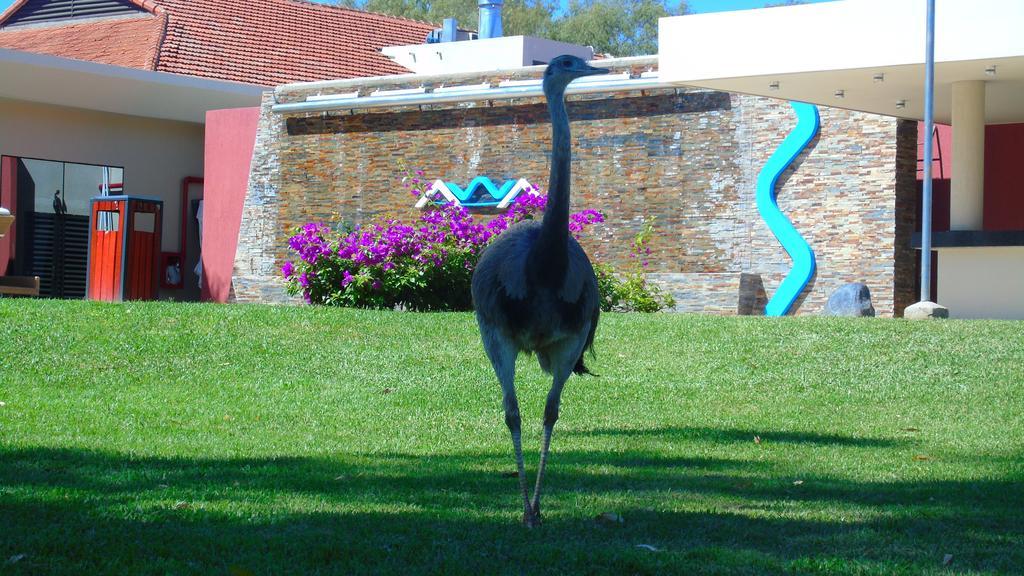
531	520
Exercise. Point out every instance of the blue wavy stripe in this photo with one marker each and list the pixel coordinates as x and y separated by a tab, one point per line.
799	251
480	182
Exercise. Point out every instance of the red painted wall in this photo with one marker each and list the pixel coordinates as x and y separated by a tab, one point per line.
942	170
230	138
1004	177
942	152
8	199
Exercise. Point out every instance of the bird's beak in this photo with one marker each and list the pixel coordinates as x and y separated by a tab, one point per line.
593	71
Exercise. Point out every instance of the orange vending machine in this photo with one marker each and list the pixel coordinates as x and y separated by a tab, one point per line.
124	248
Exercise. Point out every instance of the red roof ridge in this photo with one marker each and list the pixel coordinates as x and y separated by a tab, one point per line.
11	10
155	61
149	6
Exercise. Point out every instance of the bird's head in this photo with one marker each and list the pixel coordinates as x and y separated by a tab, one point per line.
564	69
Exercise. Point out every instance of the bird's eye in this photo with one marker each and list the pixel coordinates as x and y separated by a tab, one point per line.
565	63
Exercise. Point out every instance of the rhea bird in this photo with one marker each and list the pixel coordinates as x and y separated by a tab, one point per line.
534	289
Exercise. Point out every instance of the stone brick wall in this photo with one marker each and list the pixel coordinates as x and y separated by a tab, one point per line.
724	293
688	159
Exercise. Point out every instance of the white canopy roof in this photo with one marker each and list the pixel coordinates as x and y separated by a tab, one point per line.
80	84
870	50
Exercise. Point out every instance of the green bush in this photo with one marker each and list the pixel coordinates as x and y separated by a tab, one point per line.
631	292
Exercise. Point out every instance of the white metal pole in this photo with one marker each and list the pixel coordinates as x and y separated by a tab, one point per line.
929	130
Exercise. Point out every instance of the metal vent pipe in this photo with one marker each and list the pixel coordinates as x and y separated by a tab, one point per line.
490	18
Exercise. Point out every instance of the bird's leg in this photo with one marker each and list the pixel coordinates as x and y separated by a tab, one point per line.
550	417
514	423
560	362
502	354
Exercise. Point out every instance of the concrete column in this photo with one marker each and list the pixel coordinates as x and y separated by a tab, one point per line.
967	188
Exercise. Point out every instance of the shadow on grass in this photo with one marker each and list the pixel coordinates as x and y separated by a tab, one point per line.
733	435
73	511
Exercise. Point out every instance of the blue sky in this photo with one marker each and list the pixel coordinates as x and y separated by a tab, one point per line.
695	5
725	5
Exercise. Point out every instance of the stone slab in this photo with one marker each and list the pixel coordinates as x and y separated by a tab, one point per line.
925	311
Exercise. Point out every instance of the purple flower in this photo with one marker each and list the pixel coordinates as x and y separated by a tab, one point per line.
443	236
582	219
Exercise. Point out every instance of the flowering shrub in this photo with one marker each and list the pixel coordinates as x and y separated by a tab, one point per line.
422	265
630	292
427	264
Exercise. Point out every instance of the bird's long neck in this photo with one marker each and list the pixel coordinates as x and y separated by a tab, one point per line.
552	246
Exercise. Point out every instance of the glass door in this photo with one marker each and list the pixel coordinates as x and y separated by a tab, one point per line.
53	221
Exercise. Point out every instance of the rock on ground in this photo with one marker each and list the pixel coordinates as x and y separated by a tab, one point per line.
852	299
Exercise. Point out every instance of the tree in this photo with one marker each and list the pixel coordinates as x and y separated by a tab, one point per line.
427	10
528	17
519	17
616	27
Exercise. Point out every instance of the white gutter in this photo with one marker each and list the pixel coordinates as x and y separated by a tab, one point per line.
504	91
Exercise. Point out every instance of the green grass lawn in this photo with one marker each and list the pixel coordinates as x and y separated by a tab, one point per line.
201	439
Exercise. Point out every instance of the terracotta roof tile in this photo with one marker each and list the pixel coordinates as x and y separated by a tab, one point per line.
130	42
267	42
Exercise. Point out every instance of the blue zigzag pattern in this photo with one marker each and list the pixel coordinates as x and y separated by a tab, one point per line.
451	192
474	185
807	125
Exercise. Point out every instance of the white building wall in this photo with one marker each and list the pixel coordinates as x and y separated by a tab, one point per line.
982	282
505	53
155	154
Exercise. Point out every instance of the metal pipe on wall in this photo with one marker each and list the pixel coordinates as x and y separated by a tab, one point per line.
530	90
490	18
